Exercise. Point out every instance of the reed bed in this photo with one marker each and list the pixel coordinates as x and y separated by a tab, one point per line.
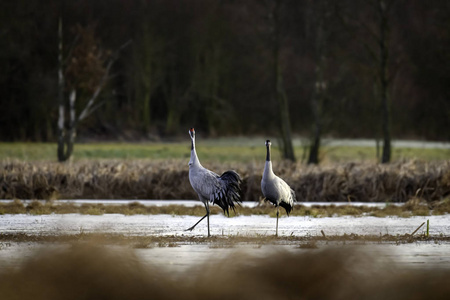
84	271
168	179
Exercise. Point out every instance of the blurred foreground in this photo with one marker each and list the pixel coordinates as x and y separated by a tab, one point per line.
83	271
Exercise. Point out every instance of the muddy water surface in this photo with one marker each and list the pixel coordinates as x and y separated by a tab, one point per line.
183	256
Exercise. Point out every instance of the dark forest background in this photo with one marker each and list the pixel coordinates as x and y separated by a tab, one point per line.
209	64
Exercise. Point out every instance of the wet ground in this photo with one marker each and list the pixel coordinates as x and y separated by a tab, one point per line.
184	254
168	225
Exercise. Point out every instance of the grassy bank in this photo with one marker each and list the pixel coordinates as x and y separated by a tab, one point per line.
414	207
209	151
168	179
160	171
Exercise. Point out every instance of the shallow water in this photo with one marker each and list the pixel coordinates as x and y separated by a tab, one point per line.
416	255
219	224
185	256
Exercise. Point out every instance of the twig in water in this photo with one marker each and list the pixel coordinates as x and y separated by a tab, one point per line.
417	229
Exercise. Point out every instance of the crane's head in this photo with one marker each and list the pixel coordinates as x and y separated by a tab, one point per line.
268	143
192	132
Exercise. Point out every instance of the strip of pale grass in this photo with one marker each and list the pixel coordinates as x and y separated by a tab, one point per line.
208	152
337	154
216	241
153	151
414	207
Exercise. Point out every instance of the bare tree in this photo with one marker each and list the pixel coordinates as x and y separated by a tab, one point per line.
87	70
61	103
207	79
375	37
383	77
279	92
150	71
318	18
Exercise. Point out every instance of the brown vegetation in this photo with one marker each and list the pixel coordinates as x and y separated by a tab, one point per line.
413	207
219	241
144	179
97	272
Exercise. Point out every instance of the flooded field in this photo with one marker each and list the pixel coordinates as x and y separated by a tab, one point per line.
117	256
163	241
174	225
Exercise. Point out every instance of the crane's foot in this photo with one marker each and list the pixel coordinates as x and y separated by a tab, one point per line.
190	228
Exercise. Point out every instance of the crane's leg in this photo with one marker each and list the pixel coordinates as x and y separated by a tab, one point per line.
207	213
190	228
278	213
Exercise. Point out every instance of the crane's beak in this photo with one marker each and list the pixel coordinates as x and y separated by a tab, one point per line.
192	132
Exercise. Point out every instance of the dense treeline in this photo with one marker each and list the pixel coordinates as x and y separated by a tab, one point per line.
209	64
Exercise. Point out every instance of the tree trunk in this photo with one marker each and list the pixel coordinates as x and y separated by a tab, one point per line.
384	83
279	93
145	54
61	110
173	120
146	119
317	100
66	139
319	90
72	128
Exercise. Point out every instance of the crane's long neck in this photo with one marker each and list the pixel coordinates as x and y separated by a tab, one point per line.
194	159
268	166
268	153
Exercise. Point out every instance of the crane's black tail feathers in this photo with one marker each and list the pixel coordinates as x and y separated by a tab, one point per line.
230	193
289	206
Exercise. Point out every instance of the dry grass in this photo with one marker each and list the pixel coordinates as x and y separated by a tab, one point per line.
144	179
413	207
94	272
219	241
